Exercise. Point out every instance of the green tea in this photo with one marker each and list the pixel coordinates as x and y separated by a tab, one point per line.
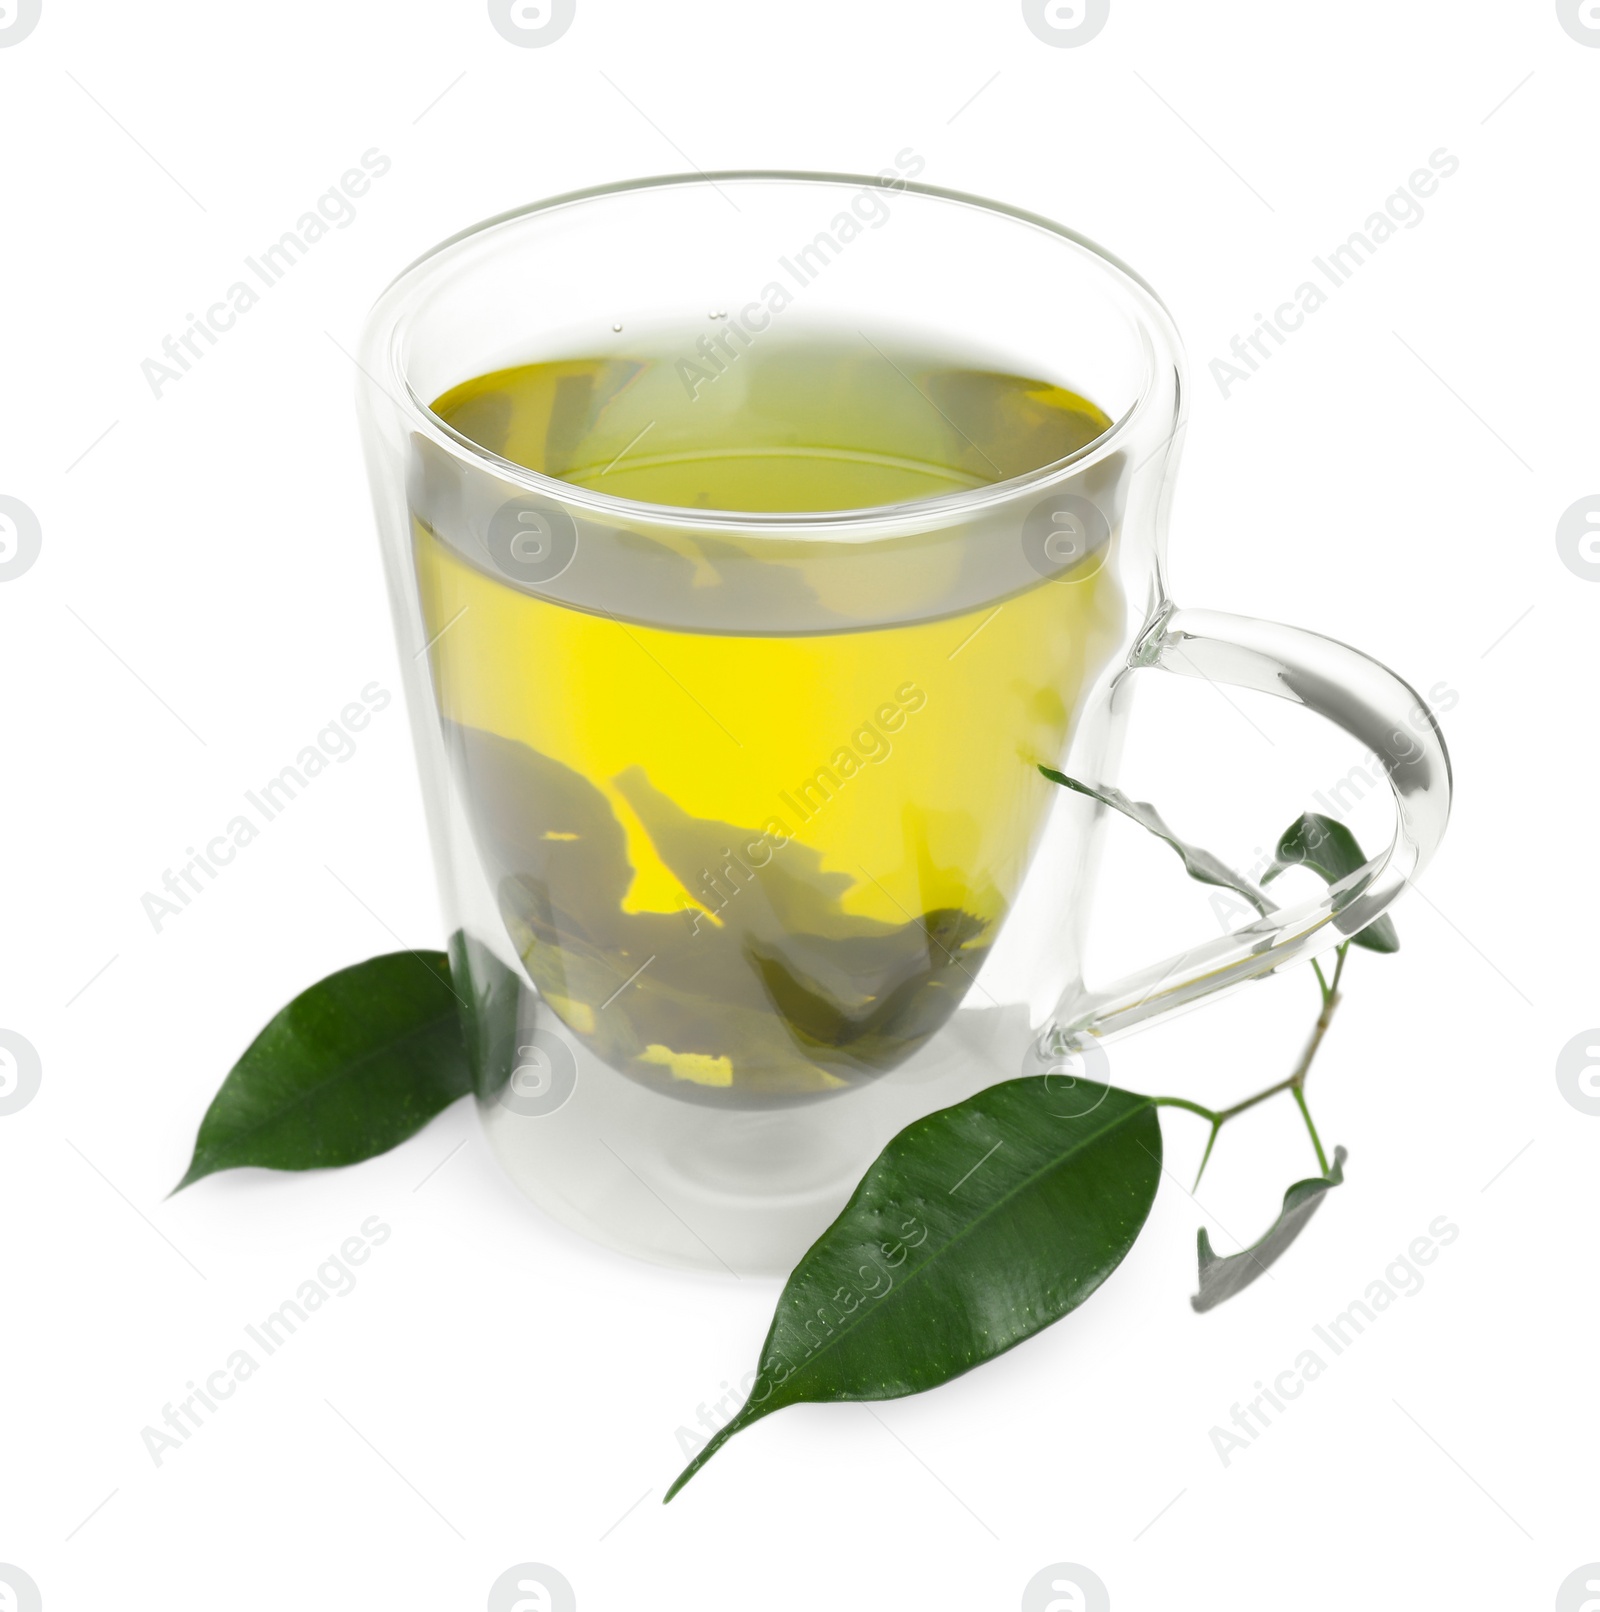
746	866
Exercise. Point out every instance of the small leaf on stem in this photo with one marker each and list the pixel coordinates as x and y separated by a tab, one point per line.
1328	848
1222	1277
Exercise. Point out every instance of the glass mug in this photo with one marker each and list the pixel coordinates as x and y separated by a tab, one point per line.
737	815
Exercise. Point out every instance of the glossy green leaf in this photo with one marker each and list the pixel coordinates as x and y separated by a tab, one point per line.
1328	848
491	994
975	1228
349	1069
1223	1276
1198	863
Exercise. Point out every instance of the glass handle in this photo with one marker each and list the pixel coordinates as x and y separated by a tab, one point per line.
1356	694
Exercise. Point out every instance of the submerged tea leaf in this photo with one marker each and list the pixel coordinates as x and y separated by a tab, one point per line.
975	1228
1328	848
773	980
349	1069
1222	1277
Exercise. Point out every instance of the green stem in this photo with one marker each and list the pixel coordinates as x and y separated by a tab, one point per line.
1295	1083
1338	968
1250	1102
1316	1141
1318	1031
1205	1158
1183	1102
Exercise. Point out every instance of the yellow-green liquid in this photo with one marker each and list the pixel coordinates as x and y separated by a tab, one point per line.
747	866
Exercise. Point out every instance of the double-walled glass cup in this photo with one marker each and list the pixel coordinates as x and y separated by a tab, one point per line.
737	815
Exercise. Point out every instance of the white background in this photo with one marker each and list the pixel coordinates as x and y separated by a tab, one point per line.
209	594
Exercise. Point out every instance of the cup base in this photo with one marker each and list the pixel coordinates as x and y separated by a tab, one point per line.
745	1192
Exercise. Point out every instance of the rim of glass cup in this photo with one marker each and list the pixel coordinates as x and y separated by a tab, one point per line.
388	325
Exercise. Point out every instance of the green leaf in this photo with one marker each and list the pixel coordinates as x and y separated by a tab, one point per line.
1327	847
1221	1278
349	1069
1197	863
975	1228
491	995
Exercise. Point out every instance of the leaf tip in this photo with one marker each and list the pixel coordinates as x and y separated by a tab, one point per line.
196	1172
1205	1299
1379	936
718	1439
